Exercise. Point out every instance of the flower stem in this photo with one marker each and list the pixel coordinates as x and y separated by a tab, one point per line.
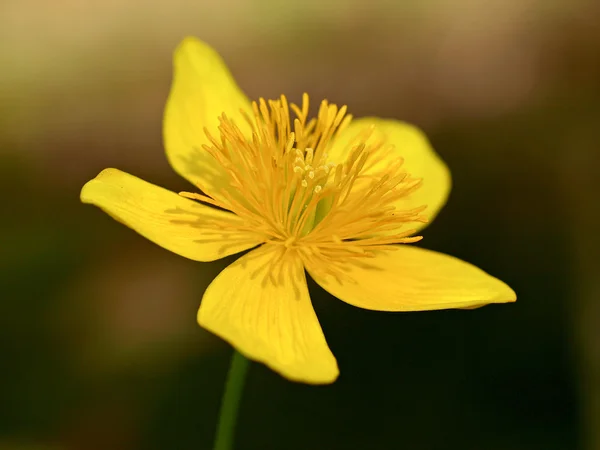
231	401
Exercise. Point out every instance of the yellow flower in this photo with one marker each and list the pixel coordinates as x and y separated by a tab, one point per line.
329	195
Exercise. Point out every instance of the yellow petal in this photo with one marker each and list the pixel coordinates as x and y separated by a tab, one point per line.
202	90
407	278
420	161
180	225
260	305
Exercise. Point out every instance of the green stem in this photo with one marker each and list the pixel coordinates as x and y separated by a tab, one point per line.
231	401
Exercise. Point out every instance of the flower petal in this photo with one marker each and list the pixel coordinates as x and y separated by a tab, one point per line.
202	90
260	304
408	278
180	225
420	161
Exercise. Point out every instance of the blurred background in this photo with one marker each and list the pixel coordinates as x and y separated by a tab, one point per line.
98	339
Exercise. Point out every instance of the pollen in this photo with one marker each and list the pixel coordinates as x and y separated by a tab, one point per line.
281	181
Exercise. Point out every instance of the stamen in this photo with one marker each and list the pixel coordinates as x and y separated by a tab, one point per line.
280	182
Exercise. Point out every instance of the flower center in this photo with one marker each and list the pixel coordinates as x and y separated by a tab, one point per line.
283	184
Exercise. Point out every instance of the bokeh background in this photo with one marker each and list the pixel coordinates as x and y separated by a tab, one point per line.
98	342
